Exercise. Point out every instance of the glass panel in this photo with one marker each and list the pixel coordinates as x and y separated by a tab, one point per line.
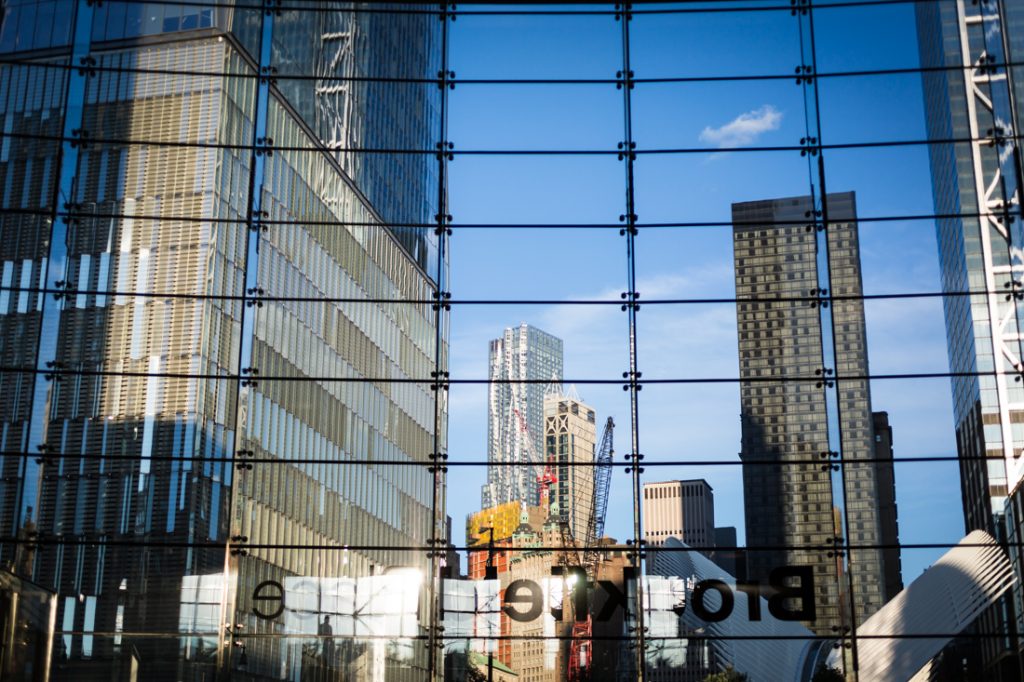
401	342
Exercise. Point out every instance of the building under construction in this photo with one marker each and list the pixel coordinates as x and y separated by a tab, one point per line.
551	543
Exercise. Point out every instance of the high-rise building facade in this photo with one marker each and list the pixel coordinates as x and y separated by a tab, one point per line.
680	509
793	503
570	447
885	478
515	412
979	234
193	388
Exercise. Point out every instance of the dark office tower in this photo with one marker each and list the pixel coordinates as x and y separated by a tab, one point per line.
790	502
730	558
189	406
979	233
885	476
515	412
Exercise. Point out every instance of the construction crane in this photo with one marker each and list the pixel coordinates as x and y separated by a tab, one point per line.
541	467
602	482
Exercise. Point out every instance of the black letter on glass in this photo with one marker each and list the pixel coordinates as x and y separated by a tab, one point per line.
701	611
804	592
753	592
579	591
277	595
614	598
534	598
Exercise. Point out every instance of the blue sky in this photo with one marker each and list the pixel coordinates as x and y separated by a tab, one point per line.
695	422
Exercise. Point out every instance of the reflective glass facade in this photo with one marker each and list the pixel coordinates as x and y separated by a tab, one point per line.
210	237
978	253
273	272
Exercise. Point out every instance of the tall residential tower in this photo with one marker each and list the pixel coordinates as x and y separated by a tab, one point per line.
790	503
522	361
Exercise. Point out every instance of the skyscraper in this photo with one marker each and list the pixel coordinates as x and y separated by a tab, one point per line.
885	477
515	412
570	444
791	500
979	233
192	384
680	509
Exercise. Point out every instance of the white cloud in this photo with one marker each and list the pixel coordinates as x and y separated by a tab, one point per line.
744	129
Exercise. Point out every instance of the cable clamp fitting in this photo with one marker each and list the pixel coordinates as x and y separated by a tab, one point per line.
264	146
87	66
1015	290
837	545
268	75
631	224
250	372
441	148
808	145
254	297
635	461
631	298
440	382
634	380
79	138
441	297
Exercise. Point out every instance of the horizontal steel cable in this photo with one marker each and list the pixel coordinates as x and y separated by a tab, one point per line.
440	382
86	540
645	7
94	69
803	149
765	300
448	461
77	214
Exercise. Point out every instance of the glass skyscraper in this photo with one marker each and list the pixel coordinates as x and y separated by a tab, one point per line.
793	503
972	104
214	327
515	412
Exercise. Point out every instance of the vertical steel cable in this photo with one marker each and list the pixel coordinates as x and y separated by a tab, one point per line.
841	549
627	154
439	374
245	372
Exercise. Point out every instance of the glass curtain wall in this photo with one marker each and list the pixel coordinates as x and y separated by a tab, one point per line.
391	341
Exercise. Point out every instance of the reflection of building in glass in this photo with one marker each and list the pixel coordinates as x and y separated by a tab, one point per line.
893	644
788	497
684	510
515	412
979	234
149	458
27	614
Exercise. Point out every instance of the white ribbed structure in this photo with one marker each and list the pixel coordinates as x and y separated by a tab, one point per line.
776	650
942	601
